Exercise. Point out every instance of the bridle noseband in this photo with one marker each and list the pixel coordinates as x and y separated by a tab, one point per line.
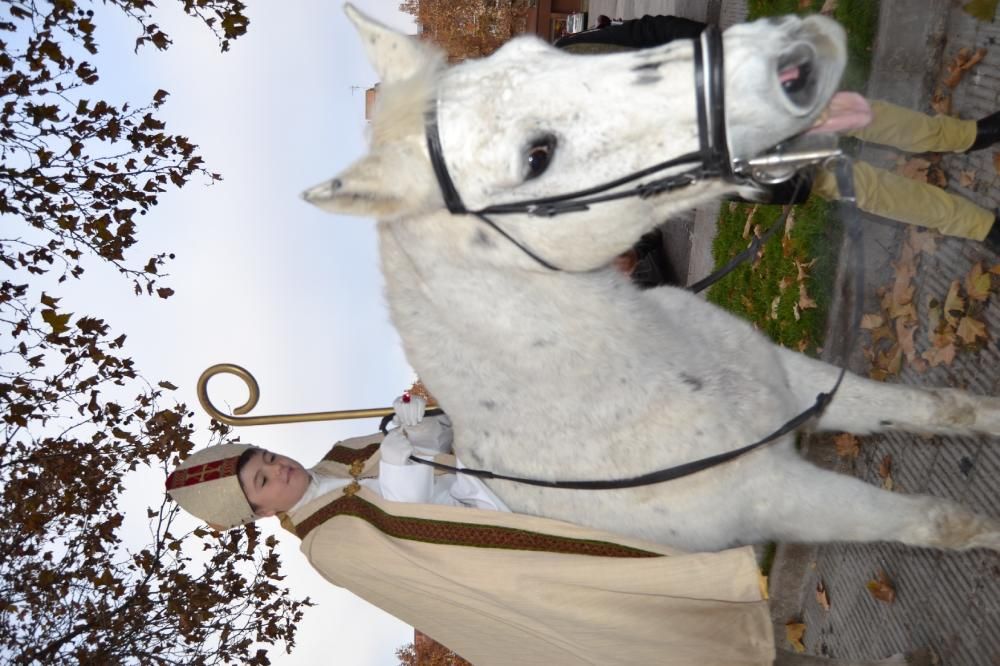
711	160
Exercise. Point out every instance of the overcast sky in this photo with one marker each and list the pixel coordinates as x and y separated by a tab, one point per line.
261	278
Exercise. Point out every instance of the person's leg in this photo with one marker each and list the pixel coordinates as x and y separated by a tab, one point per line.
906	200
916	132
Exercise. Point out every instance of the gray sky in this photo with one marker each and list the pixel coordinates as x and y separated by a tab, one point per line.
261	278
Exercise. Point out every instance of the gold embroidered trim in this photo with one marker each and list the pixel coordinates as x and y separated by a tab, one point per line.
345	455
462	534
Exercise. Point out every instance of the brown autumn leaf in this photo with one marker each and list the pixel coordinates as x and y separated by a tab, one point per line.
794	631
828	8
914	168
890	361
785	283
954	304
922	240
822	598
967	178
941	102
774	306
805	302
940	355
790	222
995	270
937	177
802	268
969	330
978	283
749	224
847	445
881	588
885	467
871	321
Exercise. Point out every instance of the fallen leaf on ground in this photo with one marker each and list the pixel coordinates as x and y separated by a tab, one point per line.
774	306
941	102
981	9
785	283
969	330
828	8
885	467
940	355
914	168
923	241
822	598
978	283
749	224
794	631
805	302
847	445
954	304
870	321
967	178
881	588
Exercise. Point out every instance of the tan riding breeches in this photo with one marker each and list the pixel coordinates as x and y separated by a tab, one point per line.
903	199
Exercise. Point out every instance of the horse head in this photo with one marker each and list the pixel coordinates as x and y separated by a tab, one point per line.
531	121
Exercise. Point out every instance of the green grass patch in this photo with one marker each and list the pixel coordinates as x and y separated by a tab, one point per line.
767	291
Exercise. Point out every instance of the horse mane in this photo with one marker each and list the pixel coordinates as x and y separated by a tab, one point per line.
401	104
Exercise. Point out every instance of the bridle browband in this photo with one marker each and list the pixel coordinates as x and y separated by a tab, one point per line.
712	161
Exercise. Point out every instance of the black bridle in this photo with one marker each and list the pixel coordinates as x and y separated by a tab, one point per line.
711	161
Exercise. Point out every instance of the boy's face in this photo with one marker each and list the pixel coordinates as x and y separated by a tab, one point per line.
273	483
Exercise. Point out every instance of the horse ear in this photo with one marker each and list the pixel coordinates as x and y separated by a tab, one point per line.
394	56
359	190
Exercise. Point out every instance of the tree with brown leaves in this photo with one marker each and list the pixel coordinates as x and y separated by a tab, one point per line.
76	176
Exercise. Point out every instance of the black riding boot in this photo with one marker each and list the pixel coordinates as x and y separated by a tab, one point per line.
987	132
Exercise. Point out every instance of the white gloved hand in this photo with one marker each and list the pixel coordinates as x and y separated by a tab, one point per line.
409	410
395	448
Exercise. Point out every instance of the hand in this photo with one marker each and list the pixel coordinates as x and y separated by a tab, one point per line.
409	410
396	448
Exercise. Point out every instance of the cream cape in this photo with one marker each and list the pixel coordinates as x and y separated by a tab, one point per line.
500	588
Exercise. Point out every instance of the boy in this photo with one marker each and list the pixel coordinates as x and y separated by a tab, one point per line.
495	587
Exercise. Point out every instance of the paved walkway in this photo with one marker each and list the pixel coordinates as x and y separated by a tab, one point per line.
947	602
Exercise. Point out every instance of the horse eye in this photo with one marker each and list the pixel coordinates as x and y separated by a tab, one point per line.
539	155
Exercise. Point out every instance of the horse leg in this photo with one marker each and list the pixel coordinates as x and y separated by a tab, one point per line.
865	406
795	501
786	658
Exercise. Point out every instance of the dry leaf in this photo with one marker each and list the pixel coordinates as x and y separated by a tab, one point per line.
940	355
969	330
805	302
954	304
748	225
905	328
828	8
914	168
885	467
941	102
802	267
774	306
871	321
922	240
847	445
785	283
981	9
995	270
790	222
967	178
822	598
794	631
881	588
890	361
978	283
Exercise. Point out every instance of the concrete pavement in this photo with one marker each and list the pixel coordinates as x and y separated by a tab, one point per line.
944	601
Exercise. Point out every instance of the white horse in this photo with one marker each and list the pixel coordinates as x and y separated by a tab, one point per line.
576	374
